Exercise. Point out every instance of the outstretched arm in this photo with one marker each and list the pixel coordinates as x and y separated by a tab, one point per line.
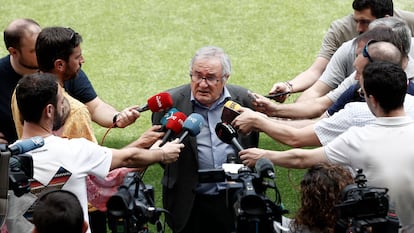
294	158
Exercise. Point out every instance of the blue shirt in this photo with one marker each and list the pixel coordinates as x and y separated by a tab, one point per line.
212	152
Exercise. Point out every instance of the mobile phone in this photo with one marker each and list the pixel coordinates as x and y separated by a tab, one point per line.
273	96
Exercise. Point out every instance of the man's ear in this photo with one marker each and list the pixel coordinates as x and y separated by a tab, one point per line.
12	51
49	110
59	65
372	100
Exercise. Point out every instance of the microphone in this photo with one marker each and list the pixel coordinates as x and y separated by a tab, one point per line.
174	125
192	125
26	145
228	134
230	111
157	103
165	118
264	167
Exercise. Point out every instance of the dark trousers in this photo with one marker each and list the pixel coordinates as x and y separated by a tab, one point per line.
97	221
211	213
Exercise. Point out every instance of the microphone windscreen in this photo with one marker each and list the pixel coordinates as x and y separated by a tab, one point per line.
225	132
230	111
193	124
160	102
167	116
26	145
176	122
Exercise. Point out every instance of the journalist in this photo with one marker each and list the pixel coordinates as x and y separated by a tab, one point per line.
380	149
65	163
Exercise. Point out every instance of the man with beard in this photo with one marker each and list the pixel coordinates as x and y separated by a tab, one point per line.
58	52
64	163
20	38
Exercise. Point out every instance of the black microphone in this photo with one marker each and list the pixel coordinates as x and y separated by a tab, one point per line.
192	125
26	145
264	167
228	134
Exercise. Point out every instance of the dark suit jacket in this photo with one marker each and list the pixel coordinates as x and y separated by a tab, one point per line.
180	178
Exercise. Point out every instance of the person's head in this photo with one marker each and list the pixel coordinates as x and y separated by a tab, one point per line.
38	96
58	211
20	39
376	51
384	84
209	70
366	11
320	191
58	51
401	32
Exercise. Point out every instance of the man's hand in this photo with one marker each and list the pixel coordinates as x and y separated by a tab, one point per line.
127	116
280	87
170	150
247	121
251	155
263	104
149	137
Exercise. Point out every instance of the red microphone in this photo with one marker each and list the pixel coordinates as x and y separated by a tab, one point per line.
157	103
174	125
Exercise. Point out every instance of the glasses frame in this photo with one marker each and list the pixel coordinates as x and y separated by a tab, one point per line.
209	80
365	52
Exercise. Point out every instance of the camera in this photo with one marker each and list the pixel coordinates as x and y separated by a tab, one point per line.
19	168
16	170
253	210
132	207
365	209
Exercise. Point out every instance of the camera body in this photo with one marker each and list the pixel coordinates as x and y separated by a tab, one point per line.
254	212
365	209
19	168
132	207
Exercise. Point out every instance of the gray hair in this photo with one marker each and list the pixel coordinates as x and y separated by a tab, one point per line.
400	28
213	51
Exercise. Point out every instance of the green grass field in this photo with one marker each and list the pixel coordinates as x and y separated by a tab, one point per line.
137	48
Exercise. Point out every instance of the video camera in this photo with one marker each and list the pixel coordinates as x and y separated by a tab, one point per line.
365	209
132	207
16	170
254	212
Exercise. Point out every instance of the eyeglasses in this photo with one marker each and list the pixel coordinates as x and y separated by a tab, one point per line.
210	79
365	50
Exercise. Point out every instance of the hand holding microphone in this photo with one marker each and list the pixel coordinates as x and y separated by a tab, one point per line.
155	103
170	151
